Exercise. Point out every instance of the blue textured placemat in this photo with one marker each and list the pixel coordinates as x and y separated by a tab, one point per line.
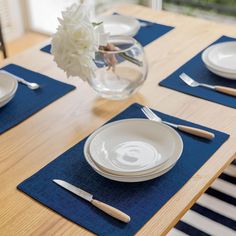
46	48
27	102
140	200
145	35
197	70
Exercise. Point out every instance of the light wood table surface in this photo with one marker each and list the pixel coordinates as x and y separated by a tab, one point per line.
50	132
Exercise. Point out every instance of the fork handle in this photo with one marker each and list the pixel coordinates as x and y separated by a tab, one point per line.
226	90
198	132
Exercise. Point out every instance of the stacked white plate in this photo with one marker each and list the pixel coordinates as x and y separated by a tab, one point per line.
120	25
133	150
221	59
8	87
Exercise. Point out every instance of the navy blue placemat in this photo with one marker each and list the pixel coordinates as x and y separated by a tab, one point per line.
46	48
140	200
27	102
198	71
145	35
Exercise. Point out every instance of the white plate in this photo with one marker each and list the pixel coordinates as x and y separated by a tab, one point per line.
120	25
3	103
165	168
8	87
221	59
216	71
220	73
134	145
223	56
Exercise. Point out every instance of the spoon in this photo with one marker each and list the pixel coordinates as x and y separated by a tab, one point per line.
30	85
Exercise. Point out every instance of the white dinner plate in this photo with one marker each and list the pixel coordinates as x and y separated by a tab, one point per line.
120	25
8	87
138	178
221	59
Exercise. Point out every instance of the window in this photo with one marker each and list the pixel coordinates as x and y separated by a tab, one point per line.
219	10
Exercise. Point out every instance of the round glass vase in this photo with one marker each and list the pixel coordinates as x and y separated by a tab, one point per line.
121	70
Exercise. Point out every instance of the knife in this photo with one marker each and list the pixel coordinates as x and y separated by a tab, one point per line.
89	197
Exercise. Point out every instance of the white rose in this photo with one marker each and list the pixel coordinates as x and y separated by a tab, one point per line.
76	41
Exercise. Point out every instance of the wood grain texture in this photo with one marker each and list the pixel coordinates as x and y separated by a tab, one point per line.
226	90
44	136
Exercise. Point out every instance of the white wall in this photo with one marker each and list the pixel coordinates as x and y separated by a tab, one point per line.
43	14
11	19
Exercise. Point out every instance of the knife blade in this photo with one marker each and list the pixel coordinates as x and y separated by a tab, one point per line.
77	191
89	197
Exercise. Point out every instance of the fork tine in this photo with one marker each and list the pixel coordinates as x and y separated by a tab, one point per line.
146	114
150	112
188	80
145	111
184	77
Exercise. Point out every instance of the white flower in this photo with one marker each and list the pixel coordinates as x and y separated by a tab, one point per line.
102	36
76	41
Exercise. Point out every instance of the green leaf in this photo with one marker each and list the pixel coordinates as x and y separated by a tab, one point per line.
97	23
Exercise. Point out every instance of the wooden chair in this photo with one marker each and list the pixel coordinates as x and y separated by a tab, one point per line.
2	44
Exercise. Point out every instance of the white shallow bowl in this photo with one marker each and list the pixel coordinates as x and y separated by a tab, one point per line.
221	59
131	179
8	87
139	177
134	146
120	25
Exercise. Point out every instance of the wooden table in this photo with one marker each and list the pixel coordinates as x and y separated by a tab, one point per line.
43	137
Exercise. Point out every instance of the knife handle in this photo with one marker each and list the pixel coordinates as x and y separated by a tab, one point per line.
226	90
111	211
198	132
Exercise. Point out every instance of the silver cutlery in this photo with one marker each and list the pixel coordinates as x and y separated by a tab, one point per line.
89	197
187	129
30	85
222	89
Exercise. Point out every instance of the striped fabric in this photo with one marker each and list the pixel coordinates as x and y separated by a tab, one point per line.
215	211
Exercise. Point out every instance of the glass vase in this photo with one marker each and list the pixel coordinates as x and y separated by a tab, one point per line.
121	68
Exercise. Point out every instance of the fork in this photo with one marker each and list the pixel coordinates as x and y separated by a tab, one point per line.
222	89
187	129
